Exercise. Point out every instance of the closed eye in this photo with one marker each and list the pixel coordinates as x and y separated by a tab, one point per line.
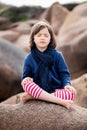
46	35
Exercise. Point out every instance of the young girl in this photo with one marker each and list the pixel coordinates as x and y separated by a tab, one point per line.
45	73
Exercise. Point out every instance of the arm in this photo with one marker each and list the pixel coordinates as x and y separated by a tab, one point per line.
71	88
26	80
63	70
65	74
27	71
27	68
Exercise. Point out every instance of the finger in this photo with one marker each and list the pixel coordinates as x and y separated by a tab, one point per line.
74	91
28	80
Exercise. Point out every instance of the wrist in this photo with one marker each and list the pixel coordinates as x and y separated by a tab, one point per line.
68	85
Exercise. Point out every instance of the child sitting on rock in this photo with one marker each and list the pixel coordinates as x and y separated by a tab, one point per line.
45	74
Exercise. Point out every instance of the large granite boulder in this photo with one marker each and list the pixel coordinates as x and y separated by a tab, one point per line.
18	34
4	22
55	15
9	35
72	40
11	65
23	42
76	56
21	27
39	115
74	27
81	86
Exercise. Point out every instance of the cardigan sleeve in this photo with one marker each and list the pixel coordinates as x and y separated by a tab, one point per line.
63	70
26	68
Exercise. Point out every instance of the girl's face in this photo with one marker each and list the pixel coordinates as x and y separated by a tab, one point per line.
42	39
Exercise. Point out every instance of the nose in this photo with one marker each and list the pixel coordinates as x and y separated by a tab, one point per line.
42	37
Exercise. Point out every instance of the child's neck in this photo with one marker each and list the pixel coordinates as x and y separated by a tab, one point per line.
42	49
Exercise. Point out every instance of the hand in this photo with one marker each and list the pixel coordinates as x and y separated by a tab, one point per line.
26	80
72	89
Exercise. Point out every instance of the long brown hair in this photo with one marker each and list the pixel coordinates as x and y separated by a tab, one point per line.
39	26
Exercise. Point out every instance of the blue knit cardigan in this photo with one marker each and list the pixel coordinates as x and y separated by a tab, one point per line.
59	75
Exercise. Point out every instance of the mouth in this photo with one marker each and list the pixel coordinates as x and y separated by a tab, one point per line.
42	42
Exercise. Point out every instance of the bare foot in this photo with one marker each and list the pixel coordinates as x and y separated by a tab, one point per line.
67	103
25	97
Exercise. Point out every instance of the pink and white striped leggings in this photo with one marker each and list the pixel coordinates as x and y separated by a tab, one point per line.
34	90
